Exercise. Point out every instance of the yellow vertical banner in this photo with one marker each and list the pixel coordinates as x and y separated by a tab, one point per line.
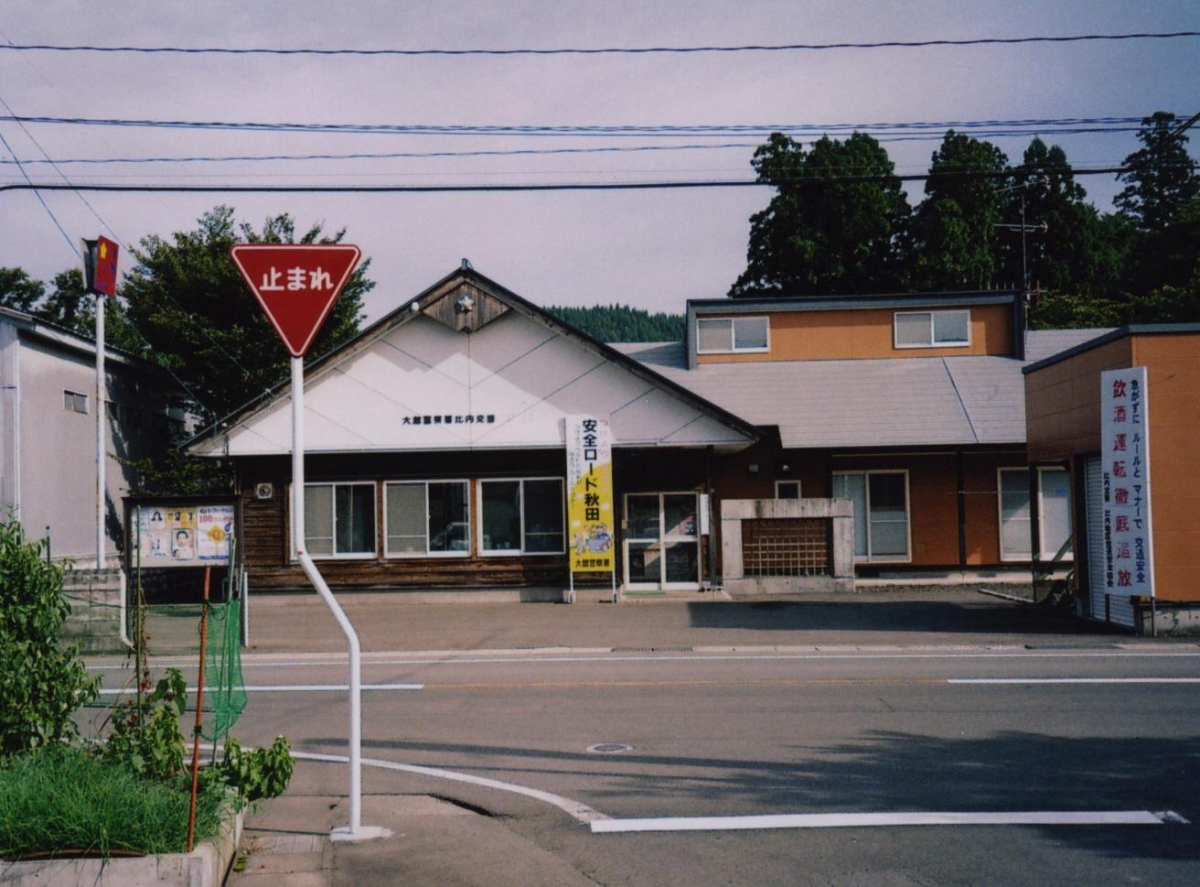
590	509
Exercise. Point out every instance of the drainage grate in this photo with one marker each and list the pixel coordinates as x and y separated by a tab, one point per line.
651	650
609	748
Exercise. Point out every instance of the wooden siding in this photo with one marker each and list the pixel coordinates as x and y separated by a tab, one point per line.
1062	402
266	523
868	333
1173	407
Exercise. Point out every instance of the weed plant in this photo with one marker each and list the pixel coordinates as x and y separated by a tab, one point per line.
69	801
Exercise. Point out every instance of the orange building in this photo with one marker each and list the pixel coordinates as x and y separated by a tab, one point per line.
1065	415
912	406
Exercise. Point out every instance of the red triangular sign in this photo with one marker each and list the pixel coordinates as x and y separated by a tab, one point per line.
296	284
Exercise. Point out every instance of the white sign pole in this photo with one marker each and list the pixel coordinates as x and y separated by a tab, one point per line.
100	421
355	831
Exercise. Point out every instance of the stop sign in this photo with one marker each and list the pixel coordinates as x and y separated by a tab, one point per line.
297	284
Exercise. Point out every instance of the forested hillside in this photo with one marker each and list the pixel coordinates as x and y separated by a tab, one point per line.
621	323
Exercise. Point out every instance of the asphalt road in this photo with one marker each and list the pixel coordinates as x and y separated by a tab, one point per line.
1081	729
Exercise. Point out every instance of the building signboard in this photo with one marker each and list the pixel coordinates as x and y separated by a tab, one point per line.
590	510
1125	479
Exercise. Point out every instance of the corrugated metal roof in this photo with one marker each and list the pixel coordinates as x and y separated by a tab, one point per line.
923	401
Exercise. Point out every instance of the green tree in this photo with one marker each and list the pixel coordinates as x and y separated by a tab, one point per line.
19	291
1071	247
41	685
195	315
954	240
68	305
622	323
833	225
1161	178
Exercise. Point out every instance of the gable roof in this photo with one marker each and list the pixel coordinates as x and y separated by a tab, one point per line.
475	366
926	401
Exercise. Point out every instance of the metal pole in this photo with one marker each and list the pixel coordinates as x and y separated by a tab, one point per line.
355	831
199	728
100	386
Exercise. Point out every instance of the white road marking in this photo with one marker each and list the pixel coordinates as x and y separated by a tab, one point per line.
579	812
290	688
1073	680
871	820
556	655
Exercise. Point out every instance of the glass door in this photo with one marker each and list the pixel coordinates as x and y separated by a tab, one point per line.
662	543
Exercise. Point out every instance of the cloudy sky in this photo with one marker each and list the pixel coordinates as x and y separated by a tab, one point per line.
648	248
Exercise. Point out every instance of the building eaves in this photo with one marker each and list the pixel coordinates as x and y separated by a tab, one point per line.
1102	337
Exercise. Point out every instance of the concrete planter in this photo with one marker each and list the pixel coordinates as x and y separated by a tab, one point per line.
206	866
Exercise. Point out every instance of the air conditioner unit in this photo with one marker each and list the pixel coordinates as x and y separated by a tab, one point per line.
264	491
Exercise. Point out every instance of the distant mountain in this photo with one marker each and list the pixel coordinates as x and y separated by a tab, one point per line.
621	323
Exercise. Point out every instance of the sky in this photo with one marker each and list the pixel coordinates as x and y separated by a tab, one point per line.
651	249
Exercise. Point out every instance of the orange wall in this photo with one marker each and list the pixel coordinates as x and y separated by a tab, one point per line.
867	333
1173	406
1063	419
1062	402
933	503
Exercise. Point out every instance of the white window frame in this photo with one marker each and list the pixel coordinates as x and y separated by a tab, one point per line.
662	539
350	555
1026	555
779	483
870	558
512	552
933	342
388	553
76	399
732	323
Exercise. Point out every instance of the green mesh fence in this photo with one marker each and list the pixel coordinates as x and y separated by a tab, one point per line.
225	690
175	629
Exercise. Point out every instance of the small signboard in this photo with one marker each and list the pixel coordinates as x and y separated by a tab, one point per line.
178	535
296	284
590	510
1125	476
100	266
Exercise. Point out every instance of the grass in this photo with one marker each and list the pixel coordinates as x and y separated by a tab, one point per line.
66	801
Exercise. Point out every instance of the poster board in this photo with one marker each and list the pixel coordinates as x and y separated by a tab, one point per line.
180	534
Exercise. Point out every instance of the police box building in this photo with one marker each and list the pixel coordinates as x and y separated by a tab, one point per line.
437	456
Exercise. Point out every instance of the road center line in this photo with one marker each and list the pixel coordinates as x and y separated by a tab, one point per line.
873	820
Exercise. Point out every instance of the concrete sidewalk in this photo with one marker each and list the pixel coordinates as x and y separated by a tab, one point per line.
290	623
434	842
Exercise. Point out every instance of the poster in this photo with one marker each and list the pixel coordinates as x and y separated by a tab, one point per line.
172	535
1125	477
590	495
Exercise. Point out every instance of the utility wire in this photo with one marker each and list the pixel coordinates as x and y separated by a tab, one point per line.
37	193
549	186
516	152
590	130
608	50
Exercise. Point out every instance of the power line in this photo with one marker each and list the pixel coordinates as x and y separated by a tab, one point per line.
515	152
548	186
561	129
608	50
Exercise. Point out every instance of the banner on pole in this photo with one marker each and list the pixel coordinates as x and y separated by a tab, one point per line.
590	512
1125	475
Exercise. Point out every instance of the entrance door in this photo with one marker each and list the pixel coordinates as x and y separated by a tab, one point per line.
662	542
